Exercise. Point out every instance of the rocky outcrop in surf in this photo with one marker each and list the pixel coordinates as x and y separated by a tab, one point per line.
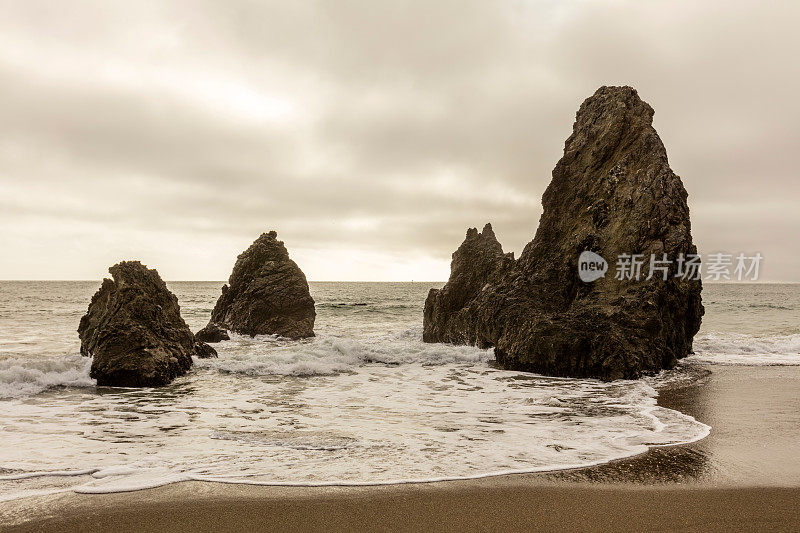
267	294
477	262
134	332
612	193
212	333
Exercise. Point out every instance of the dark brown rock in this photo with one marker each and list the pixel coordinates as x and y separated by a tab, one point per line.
267	294
203	350
134	332
212	333
478	260
612	193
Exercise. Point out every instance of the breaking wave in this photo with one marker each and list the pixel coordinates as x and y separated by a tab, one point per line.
329	355
20	377
746	349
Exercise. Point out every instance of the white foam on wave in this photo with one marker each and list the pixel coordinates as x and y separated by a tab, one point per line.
380	425
47	473
329	355
133	481
747	350
20	377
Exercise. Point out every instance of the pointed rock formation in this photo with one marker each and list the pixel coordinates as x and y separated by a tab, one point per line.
612	193
478	260
267	294
134	332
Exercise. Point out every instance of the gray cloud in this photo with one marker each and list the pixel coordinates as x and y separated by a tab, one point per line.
369	134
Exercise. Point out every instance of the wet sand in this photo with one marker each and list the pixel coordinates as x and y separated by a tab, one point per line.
744	476
754	414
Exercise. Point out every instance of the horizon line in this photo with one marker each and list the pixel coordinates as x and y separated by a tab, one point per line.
729	282
226	281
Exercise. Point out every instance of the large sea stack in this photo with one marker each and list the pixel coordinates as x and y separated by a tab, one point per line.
134	332
267	294
612	193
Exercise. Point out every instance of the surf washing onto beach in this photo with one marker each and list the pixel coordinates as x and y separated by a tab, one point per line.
364	402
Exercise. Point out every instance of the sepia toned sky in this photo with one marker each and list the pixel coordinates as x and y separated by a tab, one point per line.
370	135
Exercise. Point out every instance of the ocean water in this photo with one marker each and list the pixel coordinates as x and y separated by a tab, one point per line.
365	402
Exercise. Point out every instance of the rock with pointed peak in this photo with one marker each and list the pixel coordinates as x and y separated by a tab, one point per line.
612	193
448	314
266	294
134	332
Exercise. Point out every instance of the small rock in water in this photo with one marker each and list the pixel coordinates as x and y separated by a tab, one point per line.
212	333
267	294
612	193
134	332
203	350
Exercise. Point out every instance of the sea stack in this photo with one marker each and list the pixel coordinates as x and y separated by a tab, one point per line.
134	332
479	260
267	294
612	193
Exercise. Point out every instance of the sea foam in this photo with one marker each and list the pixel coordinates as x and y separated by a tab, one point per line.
331	354
20	377
746	349
365	402
383	424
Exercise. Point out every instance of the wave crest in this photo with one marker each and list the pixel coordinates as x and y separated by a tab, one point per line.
745	349
330	355
20	377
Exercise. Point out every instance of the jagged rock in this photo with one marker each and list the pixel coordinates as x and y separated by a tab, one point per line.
212	333
612	193
478	260
134	332
267	294
203	350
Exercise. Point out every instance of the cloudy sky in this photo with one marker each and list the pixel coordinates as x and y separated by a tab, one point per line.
370	135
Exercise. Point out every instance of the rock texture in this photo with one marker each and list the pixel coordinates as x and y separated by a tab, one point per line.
212	333
612	193
267	294
134	332
449	313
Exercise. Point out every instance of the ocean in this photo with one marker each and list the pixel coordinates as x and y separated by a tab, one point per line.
364	402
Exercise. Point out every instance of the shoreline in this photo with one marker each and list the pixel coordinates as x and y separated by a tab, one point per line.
727	481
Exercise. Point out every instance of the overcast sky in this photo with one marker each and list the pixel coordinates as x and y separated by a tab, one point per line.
370	135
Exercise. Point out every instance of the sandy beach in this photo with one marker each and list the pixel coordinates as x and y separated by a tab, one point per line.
744	476
498	505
